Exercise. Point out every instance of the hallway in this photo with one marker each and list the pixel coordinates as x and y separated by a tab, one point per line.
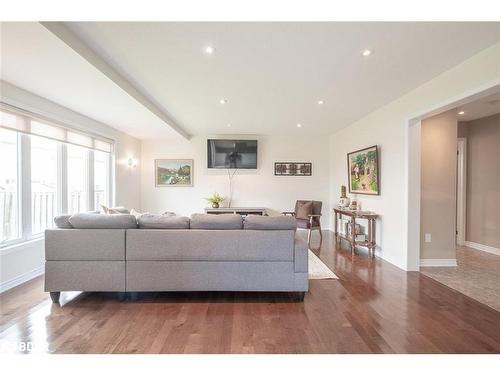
477	275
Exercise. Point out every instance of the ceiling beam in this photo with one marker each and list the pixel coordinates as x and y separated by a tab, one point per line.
75	43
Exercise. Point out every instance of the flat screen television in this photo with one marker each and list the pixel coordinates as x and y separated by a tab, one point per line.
231	153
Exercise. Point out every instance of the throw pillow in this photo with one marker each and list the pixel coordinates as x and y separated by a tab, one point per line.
303	210
135	213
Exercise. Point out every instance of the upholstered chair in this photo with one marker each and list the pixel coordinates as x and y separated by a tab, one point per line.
308	215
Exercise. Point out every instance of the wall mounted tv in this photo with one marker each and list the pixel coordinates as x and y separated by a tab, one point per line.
231	153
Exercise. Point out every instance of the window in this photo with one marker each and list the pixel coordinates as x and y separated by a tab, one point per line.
101	179
43	183
9	186
77	179
47	170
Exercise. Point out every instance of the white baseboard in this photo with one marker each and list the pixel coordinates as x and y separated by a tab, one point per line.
486	248
9	284
438	262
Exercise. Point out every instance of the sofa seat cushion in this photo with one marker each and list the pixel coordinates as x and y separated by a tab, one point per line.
165	221
258	222
210	245
222	221
98	221
84	244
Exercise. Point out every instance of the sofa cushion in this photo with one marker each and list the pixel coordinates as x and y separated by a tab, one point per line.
258	222
62	221
84	244
222	221
114	210
98	221
210	245
151	221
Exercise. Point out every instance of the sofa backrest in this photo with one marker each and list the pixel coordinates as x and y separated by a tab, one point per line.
209	245
258	222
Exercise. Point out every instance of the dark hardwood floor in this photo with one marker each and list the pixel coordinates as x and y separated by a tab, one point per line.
373	308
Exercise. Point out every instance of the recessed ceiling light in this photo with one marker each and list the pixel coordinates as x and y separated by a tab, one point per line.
366	52
223	101
461	113
299	125
209	50
320	102
228	125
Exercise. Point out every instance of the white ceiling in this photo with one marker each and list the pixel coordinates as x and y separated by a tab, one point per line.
272	74
34	59
483	107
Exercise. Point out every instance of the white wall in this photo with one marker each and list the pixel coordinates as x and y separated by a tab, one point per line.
388	127
27	259
251	187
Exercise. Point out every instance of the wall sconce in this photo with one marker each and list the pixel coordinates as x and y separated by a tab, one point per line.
132	163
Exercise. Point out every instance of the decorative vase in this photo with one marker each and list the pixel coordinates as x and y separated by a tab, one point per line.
215	205
343	201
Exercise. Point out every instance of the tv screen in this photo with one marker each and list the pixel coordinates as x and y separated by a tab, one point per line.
230	153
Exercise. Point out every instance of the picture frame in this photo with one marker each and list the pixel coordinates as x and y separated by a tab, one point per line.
363	172
283	168
174	172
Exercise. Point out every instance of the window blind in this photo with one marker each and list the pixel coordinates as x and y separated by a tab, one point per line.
22	121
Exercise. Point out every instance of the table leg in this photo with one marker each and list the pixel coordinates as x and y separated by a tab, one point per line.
336	227
371	237
353	235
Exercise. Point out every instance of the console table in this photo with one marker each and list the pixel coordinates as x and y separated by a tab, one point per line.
371	217
243	211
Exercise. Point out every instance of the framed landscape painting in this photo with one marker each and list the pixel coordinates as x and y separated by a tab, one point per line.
174	172
363	171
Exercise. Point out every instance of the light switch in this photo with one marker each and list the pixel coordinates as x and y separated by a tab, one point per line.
428	237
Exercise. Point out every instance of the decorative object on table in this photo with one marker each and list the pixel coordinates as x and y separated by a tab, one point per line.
174	172
344	200
356	239
354	205
363	171
215	200
308	215
292	169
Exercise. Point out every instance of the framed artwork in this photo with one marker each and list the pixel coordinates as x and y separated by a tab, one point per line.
173	172
363	171
292	169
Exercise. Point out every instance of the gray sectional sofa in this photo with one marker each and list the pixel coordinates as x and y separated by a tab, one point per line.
117	253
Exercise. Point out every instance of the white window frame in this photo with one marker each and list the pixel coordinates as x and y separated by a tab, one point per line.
24	216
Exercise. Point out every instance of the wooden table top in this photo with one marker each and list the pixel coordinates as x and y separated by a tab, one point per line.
356	213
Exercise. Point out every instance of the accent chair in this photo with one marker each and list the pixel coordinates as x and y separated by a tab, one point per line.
308	215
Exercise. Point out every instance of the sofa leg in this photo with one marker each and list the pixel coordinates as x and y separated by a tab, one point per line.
54	296
300	296
122	296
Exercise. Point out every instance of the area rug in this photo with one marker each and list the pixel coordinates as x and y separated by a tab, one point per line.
318	270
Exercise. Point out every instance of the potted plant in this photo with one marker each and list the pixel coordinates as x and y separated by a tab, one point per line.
215	200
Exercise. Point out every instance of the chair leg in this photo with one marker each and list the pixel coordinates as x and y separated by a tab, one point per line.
320	236
309	238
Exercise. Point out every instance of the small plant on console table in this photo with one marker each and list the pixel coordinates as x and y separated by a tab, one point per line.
215	200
